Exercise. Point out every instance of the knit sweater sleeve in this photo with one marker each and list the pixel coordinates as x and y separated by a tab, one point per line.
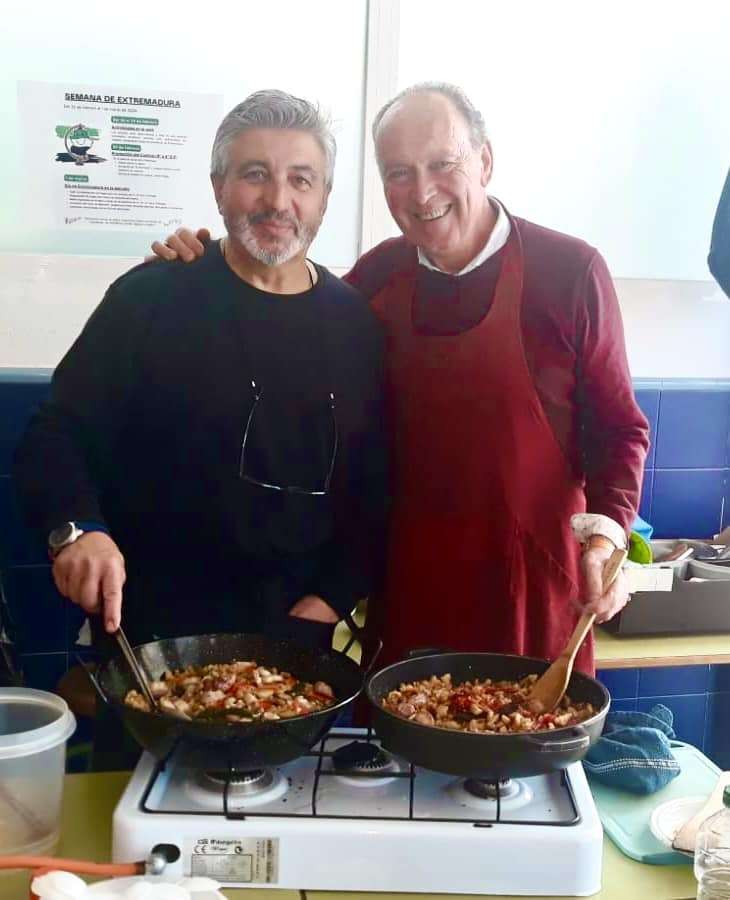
59	460
614	432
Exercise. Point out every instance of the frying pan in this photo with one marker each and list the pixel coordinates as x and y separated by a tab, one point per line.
490	757
205	744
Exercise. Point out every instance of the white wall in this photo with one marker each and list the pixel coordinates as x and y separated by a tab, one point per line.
45	299
675	329
608	121
315	50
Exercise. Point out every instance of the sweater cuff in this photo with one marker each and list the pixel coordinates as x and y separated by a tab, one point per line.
585	525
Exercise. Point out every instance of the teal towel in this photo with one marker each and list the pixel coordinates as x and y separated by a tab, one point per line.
634	753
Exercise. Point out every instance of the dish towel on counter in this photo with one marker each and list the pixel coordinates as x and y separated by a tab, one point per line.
634	753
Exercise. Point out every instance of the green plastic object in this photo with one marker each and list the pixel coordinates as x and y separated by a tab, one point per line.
639	549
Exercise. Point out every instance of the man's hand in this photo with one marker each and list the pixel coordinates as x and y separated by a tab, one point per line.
605	606
183	245
315	609
90	572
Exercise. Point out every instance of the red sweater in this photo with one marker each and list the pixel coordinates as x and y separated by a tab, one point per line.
574	345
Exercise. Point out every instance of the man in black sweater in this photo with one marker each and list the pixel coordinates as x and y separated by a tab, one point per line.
211	456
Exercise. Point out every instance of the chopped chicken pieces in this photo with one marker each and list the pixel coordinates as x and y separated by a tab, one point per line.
241	691
479	707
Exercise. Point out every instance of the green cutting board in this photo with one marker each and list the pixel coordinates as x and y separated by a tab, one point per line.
625	816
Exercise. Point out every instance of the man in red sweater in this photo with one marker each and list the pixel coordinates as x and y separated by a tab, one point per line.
517	444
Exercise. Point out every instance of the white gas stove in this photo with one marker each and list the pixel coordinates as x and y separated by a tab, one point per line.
348	816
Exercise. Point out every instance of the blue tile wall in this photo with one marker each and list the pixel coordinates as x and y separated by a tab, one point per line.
658	682
698	696
622	684
686	492
719	680
717	729
690	714
688	502
21	390
648	400
693	430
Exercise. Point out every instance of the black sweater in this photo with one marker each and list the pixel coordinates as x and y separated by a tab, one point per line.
144	426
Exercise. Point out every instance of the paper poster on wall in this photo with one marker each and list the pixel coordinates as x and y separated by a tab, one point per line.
112	159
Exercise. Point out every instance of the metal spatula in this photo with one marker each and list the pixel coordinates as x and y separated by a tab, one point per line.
137	670
548	690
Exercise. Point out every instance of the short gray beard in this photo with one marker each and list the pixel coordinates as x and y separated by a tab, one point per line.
242	230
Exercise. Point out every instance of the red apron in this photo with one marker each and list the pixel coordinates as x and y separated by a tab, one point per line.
481	554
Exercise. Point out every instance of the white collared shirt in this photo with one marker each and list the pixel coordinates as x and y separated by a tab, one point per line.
497	239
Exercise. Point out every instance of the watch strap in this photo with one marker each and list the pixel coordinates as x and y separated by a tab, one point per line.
89	525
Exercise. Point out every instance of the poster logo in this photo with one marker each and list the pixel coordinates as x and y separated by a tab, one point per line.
78	140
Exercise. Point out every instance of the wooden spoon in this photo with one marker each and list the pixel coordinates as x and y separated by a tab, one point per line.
549	688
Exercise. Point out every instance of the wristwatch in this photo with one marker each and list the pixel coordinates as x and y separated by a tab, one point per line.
63	536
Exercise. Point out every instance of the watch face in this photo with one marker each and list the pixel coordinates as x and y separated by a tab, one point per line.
59	536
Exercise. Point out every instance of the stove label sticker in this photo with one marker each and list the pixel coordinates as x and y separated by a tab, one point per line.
235	860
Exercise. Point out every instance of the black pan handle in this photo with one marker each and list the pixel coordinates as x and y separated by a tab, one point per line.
93	679
579	741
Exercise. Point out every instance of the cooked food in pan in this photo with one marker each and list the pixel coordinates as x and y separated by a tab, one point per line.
240	691
480	707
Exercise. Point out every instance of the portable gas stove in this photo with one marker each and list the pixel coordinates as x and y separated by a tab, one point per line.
349	816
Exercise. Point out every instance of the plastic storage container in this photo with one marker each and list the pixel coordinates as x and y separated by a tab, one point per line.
34	728
712	854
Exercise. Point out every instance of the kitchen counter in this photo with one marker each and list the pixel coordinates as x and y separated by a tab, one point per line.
637	652
86	833
625	652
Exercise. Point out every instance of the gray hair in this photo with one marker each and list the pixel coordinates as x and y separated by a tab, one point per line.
273	109
474	119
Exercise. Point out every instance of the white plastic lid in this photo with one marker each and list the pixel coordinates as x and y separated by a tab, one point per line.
60	723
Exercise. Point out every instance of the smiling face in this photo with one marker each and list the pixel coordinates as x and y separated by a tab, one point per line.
274	194
434	179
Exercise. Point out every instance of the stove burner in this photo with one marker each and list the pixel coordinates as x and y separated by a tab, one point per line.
241	784
360	757
256	787
489	790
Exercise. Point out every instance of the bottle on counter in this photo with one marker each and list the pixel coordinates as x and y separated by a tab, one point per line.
712	854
